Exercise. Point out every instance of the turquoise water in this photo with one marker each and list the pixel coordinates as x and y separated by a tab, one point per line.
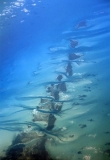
36	40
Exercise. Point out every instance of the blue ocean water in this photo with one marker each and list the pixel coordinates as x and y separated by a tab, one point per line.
36	38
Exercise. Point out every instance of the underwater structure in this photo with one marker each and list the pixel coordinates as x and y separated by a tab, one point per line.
54	80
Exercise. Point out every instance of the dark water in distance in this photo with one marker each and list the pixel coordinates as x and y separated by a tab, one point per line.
35	43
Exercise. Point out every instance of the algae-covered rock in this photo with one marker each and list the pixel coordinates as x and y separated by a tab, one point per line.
51	121
28	146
